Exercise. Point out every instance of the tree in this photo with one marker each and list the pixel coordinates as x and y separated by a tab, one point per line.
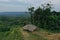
45	18
31	12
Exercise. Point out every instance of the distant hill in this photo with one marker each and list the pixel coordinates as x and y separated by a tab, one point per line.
14	14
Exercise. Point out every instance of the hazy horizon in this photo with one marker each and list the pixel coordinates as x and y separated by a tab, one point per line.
13	14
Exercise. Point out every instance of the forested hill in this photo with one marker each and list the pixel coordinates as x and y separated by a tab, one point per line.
13	14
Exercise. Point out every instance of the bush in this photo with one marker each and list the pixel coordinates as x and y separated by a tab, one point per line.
4	28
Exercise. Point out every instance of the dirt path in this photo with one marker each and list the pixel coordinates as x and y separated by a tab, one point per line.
54	36
25	34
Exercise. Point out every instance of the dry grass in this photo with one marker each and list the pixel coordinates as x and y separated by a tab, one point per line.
39	35
25	34
54	37
31	35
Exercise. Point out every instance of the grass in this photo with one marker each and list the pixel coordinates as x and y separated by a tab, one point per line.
17	33
14	34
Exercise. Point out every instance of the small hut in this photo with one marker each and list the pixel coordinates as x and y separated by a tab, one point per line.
30	27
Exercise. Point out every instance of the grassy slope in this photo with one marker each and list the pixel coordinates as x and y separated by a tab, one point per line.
19	34
14	34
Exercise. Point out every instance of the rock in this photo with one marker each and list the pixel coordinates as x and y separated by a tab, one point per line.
30	27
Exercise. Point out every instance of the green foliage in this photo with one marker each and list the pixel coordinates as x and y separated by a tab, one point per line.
31	12
45	18
10	28
6	23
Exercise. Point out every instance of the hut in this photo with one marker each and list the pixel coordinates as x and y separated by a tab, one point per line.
30	27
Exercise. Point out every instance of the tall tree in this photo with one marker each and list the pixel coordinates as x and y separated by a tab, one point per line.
31	12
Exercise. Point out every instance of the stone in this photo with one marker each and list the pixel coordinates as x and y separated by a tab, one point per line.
30	27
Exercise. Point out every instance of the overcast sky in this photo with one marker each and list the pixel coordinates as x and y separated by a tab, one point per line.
23	5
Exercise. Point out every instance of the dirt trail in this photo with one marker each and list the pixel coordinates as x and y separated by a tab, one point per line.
25	34
54	37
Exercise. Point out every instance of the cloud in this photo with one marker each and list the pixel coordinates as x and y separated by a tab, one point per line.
22	5
56	4
12	8
14	0
31	1
4	0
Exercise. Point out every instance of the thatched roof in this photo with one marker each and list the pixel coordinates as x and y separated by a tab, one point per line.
30	27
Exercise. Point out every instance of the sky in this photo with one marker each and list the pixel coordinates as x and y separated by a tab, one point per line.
23	5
